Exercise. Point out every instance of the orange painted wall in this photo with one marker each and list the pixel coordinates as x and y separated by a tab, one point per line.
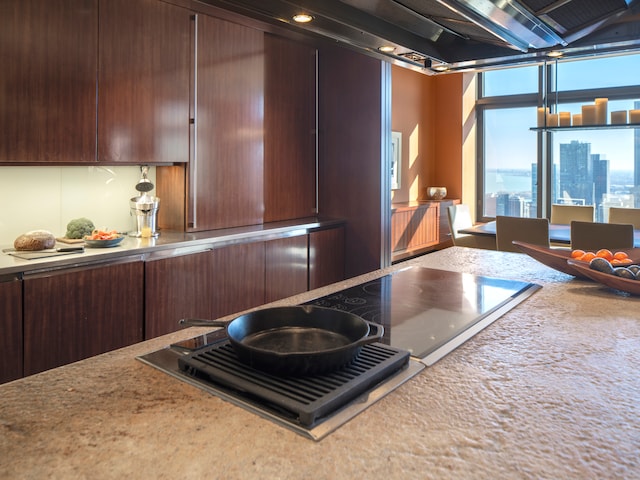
449	132
412	100
432	107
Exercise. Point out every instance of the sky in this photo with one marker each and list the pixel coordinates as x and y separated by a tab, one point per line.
510	142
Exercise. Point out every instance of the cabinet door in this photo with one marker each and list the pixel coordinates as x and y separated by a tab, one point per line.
289	130
226	175
175	288
48	80
11	328
326	257
238	278
286	267
143	82
76	313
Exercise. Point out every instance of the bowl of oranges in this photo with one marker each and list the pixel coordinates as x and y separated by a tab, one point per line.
619	270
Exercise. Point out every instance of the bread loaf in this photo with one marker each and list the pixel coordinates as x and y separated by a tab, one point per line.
35	240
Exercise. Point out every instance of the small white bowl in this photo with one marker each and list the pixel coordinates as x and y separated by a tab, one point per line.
436	193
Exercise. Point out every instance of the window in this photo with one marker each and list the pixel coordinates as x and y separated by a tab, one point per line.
524	171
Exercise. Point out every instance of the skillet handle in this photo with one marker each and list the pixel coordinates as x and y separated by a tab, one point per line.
200	322
375	333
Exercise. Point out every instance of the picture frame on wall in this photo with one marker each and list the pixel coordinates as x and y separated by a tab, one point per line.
396	156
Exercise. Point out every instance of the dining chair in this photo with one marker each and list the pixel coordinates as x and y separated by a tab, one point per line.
530	230
459	218
625	215
595	235
564	214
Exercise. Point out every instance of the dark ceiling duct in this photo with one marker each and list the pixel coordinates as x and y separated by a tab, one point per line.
454	35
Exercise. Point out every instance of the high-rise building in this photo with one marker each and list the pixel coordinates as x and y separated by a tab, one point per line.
576	175
601	184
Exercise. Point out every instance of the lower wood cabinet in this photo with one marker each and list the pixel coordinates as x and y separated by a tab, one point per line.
60	316
11	328
415	227
286	267
75	313
326	257
176	287
207	284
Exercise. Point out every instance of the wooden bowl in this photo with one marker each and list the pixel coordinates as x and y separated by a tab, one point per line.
607	279
555	258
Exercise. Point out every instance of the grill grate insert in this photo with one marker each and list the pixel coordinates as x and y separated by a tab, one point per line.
303	400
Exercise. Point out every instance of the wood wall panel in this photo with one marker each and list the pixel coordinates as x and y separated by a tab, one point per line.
289	129
350	186
143	82
77	313
11	330
48	81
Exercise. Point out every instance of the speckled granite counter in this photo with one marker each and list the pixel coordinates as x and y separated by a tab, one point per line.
550	390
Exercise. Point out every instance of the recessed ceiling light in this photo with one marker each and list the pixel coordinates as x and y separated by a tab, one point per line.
439	66
387	48
555	54
302	18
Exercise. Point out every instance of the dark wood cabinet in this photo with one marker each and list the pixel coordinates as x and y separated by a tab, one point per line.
48	81
175	288
144	76
225	173
237	282
206	284
286	267
222	186
289	129
326	257
11	328
74	313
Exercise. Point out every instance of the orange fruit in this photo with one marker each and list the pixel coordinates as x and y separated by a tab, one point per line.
605	253
577	253
587	257
620	255
621	261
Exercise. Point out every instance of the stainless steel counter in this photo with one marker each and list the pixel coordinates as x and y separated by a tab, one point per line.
167	244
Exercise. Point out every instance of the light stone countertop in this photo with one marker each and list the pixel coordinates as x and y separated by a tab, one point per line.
550	390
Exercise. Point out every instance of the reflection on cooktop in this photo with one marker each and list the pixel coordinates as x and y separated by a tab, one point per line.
423	309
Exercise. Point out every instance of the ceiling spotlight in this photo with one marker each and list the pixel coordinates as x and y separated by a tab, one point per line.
555	54
439	66
302	18
387	48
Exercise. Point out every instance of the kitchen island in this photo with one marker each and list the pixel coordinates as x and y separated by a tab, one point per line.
550	390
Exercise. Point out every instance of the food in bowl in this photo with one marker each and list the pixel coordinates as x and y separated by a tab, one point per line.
103	235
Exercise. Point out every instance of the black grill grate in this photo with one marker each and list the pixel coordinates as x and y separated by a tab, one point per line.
303	400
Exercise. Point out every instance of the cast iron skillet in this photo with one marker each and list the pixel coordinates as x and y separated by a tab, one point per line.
296	341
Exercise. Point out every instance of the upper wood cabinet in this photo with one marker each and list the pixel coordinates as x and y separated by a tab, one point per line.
48	81
289	129
225	175
144	72
11	328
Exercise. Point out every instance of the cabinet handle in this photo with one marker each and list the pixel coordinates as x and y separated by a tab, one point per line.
192	220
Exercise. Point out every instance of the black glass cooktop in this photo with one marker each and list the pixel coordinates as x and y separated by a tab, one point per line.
430	312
